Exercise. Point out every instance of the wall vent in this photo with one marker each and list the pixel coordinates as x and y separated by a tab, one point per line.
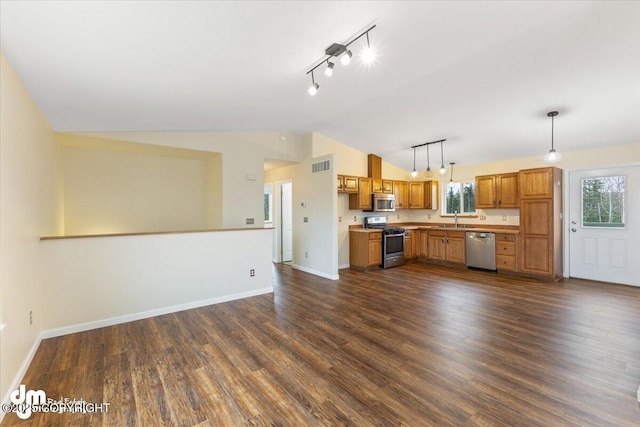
322	166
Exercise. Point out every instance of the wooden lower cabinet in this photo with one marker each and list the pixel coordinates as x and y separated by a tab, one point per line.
365	249
506	252
410	236
447	246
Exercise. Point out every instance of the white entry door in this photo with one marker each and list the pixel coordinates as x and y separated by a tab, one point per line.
604	224
287	221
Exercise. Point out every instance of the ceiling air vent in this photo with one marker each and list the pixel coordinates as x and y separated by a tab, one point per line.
322	166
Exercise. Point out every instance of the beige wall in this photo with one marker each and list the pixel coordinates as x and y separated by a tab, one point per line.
243	155
116	187
29	207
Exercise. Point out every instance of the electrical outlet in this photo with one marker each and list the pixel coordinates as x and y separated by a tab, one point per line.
355	218
504	217
339	219
428	216
306	219
250	221
398	216
306	254
31	317
252	272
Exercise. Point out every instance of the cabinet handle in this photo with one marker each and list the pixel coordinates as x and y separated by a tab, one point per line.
494	203
499	202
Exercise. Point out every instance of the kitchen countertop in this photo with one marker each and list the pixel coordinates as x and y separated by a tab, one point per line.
486	229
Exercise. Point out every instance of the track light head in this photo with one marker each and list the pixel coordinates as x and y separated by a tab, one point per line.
313	89
329	70
346	57
368	54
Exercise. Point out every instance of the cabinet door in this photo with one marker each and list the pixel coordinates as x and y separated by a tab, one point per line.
350	184
408	245
424	244
416	195
455	248
536	183
340	183
375	252
436	246
507	190
400	191
364	193
387	186
486	192
376	185
537	234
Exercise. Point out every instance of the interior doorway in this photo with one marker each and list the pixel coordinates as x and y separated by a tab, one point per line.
604	224
284	227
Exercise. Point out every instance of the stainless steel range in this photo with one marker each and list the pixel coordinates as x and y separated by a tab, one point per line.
392	240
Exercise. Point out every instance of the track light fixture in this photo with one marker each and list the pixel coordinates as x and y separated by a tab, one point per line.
451	178
342	51
414	173
313	89
329	70
428	173
552	156
443	170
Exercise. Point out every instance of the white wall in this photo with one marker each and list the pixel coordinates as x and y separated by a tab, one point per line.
29	207
315	241
92	282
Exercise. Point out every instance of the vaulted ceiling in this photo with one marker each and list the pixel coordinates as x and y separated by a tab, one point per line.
483	75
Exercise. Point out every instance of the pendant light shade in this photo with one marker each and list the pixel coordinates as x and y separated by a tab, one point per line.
428	173
414	173
552	156
443	170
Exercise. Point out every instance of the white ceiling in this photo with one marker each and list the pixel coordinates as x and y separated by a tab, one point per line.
483	75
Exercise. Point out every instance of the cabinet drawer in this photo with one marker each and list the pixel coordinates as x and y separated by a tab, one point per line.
506	248
506	262
505	237
375	236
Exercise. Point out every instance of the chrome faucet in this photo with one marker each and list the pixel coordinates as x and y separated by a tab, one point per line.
455	219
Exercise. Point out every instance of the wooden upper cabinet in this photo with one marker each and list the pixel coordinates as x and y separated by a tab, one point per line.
387	186
361	200
374	164
536	183
507	190
376	185
401	192
416	195
486	192
430	195
347	184
497	191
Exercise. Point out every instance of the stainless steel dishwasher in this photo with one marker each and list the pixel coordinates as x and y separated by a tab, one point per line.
481	250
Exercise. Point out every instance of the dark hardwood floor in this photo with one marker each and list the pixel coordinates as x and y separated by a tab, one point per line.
417	345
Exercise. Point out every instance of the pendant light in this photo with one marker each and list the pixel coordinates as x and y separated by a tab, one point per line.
428	173
443	170
451	178
414	173
552	156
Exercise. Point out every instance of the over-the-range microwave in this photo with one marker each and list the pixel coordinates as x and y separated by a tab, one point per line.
383	202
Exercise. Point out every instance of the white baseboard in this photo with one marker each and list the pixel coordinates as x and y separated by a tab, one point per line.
340	267
151	313
316	272
17	380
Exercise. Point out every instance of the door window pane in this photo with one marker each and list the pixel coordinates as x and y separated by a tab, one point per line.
603	201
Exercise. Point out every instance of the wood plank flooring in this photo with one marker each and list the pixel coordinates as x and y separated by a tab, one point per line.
417	345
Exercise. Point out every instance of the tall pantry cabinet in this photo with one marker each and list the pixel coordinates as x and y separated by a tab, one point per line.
541	221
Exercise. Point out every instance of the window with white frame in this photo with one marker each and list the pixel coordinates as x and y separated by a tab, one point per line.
459	197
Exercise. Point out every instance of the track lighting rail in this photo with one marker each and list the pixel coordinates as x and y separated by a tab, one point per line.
428	143
337	49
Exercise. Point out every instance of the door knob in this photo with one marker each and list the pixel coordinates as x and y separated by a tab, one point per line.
573	222
574	230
